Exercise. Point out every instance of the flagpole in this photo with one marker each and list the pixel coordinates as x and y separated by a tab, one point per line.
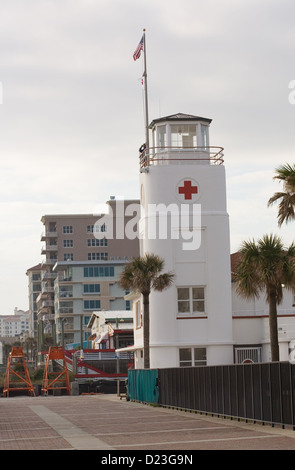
145	94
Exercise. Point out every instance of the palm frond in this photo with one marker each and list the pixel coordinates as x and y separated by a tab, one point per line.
275	198
286	174
286	207
144	273
286	212
163	281
265	265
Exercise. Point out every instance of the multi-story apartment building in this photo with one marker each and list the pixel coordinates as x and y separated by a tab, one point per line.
14	325
74	243
34	286
82	287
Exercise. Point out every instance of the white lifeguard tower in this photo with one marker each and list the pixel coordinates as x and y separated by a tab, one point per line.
184	220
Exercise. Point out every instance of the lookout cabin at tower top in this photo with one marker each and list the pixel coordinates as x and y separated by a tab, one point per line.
180	139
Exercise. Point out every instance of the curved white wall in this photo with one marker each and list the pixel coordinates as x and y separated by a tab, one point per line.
208	264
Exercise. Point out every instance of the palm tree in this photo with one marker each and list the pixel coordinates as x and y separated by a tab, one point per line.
286	211
266	266
143	275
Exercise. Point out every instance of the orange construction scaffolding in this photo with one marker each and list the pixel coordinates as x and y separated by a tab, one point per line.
55	379
17	376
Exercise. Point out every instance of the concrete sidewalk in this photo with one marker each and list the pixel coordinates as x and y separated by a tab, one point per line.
104	422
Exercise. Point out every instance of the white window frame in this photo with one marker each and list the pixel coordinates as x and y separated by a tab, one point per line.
190	300
193	360
67	229
68	243
96	228
93	288
97	256
97	242
96	304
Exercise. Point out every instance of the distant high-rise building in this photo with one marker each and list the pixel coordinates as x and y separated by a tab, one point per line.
34	286
14	325
75	243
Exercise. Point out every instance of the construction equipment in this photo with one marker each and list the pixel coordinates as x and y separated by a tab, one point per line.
17	376
55	374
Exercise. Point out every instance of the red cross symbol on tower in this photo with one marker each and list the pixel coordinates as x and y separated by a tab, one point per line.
188	190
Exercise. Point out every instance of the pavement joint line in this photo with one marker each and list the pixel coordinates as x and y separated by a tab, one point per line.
23	429
136	419
159	431
148	444
74	435
28	438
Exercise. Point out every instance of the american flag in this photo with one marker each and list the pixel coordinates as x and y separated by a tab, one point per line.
138	50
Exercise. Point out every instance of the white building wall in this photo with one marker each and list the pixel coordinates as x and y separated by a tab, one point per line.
13	325
208	265
251	323
229	321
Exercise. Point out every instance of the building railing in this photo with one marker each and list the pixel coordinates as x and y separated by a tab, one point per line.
258	392
48	234
48	303
46	289
48	317
47	275
66	310
46	248
177	155
48	262
63	294
63	278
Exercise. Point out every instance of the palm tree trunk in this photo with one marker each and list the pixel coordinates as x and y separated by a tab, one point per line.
146	331
273	329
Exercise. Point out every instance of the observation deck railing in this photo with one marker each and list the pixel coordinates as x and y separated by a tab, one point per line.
153	156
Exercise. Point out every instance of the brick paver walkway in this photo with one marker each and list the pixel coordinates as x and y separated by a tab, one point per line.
104	422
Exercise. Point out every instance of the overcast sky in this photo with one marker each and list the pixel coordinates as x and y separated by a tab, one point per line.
72	119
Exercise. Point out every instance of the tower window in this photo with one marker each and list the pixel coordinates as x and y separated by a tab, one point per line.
183	135
204	134
190	301
162	136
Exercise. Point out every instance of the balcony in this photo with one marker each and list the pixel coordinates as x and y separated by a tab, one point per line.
48	303
49	262
49	317
46	275
48	234
42	295
66	310
64	278
181	155
45	305
64	294
48	248
45	288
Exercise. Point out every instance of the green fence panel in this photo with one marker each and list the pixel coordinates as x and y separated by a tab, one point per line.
143	385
